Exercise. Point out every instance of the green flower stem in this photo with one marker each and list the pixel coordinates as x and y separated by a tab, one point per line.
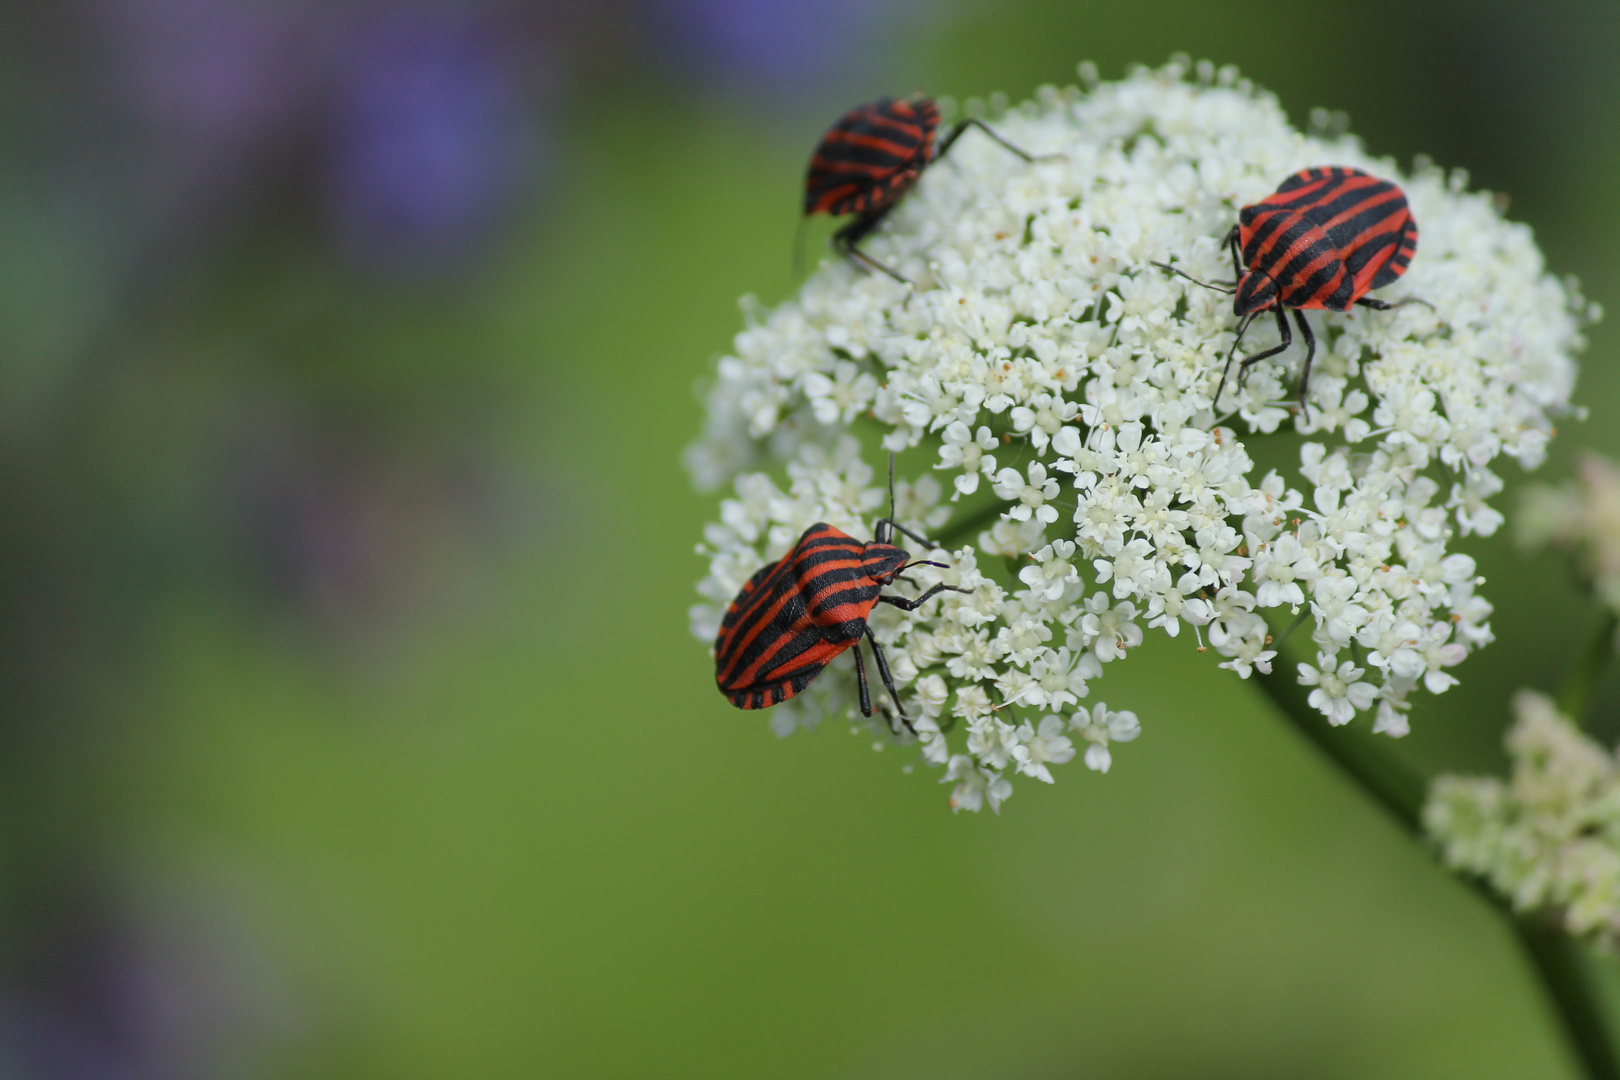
1354	748
1559	960
1566	973
1575	697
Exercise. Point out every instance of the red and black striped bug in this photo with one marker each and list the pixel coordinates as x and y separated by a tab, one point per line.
871	157
796	614
1324	239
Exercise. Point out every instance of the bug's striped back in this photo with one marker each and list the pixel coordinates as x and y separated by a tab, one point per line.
871	156
796	614
1327	236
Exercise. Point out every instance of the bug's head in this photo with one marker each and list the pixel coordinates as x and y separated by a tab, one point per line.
881	562
1255	292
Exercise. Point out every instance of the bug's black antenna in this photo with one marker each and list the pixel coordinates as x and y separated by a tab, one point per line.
1195	281
883	531
1243	328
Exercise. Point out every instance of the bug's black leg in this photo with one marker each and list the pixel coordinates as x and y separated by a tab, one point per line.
861	258
949	140
888	682
1243	328
846	238
1287	340
860	678
912	605
1310	354
963	125
1237	255
1206	284
917	562
1385	305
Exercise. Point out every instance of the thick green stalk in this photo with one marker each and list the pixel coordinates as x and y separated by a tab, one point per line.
1354	748
1566	973
1559	960
1575	697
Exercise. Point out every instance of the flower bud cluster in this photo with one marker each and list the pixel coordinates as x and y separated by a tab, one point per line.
1549	838
1047	371
1583	518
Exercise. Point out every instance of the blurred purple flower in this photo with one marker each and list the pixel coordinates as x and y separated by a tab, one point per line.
211	85
357	534
310	506
38	1044
773	45
216	68
428	137
171	985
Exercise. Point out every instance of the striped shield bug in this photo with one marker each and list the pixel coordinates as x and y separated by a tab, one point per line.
1324	239
871	157
796	614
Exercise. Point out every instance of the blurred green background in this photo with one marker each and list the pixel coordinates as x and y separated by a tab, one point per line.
351	726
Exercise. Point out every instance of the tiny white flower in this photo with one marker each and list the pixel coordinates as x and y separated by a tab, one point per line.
972	703
935	749
1060	678
1101	726
844	396
1043	418
1277	565
969	452
1012	538
1036	747
991	741
1052	570
1339	692
931	694
1108	630
1031	497
1391	719
974	786
1337	614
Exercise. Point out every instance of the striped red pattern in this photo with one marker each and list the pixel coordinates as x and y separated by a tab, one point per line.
798	613
871	156
1324	239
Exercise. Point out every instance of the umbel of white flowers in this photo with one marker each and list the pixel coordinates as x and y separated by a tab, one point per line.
1040	358
1549	838
1582	517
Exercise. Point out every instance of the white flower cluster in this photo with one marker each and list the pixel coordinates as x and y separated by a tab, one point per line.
1063	386
1549	838
1582	517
